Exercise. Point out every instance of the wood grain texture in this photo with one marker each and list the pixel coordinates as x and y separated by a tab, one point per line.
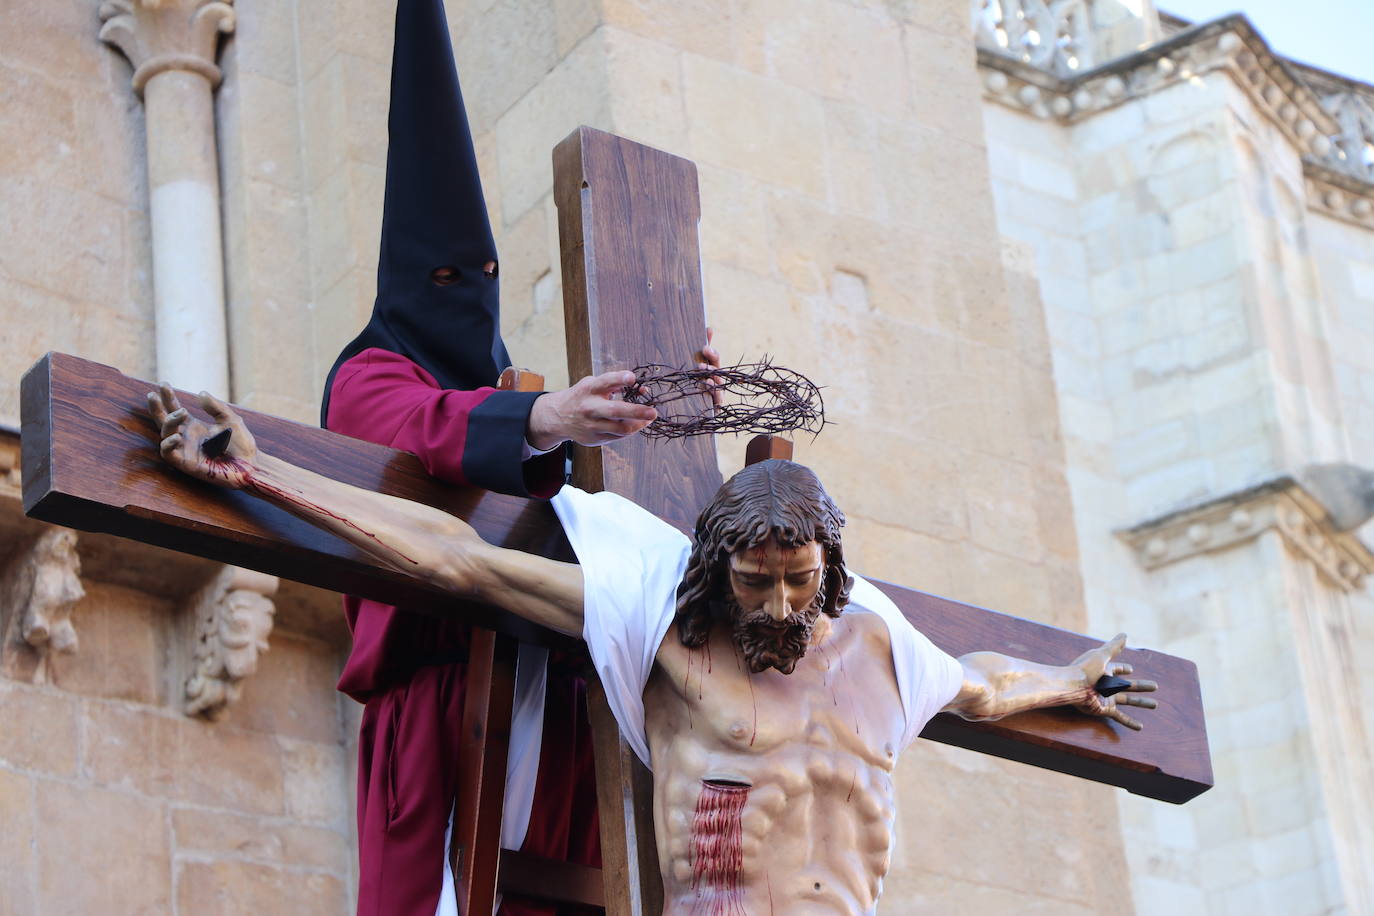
627	222
90	462
767	447
550	879
625	803
627	218
488	703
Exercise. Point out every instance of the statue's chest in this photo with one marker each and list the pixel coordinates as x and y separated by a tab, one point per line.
841	696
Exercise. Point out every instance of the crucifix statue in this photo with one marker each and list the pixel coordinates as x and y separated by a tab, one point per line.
772	713
632	288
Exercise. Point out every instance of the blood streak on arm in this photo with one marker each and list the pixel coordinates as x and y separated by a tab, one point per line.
223	467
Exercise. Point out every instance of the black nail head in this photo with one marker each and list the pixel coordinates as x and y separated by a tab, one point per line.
217	444
1107	685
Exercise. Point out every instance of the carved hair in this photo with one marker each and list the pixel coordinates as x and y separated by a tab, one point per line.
772	498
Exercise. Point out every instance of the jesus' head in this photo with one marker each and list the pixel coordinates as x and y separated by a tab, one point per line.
766	562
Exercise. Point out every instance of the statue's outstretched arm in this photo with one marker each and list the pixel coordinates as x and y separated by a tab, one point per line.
997	685
405	535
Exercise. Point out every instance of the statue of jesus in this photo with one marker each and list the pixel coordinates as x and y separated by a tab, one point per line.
768	689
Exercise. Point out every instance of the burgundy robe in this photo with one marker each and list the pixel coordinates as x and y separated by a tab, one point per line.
409	668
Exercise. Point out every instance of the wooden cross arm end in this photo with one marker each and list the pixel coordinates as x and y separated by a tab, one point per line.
91	462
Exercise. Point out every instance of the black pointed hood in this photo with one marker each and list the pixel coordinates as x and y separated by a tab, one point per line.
435	219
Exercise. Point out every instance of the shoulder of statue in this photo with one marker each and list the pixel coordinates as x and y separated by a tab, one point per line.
867	627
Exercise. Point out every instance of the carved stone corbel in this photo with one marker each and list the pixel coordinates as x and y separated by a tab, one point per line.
38	589
1283	505
232	615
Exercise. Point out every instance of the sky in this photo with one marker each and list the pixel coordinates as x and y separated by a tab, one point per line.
1336	35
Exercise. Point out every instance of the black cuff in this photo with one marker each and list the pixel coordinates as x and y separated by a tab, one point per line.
495	445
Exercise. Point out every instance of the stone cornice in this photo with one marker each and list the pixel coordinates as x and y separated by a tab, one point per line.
1338	195
1328	118
1229	44
1281	505
160	35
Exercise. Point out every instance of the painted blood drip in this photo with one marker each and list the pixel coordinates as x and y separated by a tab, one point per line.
687	679
718	850
754	701
288	497
701	673
853	706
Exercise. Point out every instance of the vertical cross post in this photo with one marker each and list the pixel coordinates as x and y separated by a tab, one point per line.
627	221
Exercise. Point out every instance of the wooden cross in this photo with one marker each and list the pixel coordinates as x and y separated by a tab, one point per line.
632	294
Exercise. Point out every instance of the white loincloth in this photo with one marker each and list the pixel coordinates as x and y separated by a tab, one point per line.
632	563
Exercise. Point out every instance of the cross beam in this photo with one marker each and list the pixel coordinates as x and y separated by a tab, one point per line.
90	462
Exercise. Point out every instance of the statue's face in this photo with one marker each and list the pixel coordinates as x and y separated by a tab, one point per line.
775	592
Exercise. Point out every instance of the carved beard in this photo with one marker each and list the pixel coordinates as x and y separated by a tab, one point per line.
766	643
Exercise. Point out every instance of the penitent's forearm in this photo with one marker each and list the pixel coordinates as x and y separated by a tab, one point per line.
426	542
997	685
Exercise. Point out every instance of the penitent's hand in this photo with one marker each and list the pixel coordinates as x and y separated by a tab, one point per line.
592	413
1098	662
589	413
222	454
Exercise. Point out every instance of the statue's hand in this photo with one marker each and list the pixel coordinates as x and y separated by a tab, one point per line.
223	454
1098	662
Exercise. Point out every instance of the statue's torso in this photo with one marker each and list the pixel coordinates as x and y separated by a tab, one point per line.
773	793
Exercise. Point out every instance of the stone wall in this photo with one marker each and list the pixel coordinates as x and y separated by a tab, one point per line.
1206	314
113	800
74	263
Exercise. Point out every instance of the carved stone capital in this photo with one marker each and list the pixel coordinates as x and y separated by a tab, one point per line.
233	615
38	589
1281	505
158	35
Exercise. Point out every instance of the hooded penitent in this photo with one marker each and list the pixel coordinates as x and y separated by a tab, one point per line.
435	305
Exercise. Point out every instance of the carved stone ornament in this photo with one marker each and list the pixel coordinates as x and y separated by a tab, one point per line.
158	35
1039	60
233	617
1282	505
1228	44
38	589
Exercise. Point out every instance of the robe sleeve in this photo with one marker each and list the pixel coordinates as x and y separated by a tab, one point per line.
475	438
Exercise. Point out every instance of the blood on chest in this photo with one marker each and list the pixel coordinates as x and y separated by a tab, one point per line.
828	702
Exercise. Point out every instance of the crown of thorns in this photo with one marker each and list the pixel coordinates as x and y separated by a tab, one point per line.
753	398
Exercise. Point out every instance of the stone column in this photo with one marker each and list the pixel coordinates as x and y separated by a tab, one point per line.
172	45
